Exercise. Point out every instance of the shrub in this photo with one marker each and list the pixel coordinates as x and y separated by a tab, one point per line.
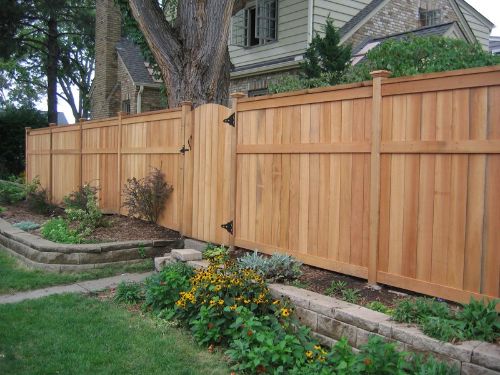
218	253
480	320
443	329
90	216
163	288
80	198
38	198
417	55
351	295
26	225
336	287
58	230
2	209
379	306
11	192
146	197
129	292
278	267
414	310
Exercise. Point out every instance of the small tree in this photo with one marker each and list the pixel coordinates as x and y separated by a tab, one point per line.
146	197
325	55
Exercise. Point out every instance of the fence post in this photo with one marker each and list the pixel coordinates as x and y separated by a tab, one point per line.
186	170
234	172
378	76
51	184
81	150
119	161
26	148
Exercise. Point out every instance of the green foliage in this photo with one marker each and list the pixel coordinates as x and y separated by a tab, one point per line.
414	310
11	192
38	198
58	230
336	287
146	197
88	217
129	292
476	321
13	122
379	306
480	320
218	253
26	225
142	251
277	267
417	55
163	288
431	366
2	209
325	55
351	295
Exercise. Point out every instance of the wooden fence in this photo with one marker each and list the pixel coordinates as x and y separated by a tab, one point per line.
396	180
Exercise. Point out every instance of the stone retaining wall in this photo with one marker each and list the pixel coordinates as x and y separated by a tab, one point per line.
39	253
330	319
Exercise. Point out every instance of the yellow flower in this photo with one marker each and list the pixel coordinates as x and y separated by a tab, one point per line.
212	302
217	288
276	302
233	307
221	302
317	347
285	312
309	354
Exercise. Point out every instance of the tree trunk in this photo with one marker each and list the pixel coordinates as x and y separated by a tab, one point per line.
192	54
52	59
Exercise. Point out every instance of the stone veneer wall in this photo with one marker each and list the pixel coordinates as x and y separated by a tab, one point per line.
330	319
398	16
39	253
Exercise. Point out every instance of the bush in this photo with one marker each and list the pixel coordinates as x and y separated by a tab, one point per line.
11	192
414	310
380	307
217	253
146	197
336	287
88	217
278	267
38	198
130	292
2	209
163	288
417	55
58	230
480	320
26	225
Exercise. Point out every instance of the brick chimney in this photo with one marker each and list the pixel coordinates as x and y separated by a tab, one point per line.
105	91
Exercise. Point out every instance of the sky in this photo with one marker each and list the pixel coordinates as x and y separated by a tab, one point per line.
488	8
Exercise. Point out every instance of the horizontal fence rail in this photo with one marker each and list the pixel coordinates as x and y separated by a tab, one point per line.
395	180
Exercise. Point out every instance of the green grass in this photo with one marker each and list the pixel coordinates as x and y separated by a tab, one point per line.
15	277
73	334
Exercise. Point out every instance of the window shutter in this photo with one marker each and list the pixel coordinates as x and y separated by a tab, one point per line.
239	28
266	20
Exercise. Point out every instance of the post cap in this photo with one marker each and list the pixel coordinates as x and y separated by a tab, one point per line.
186	102
380	73
238	95
52	124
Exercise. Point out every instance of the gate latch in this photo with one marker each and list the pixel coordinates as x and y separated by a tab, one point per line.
228	226
183	150
229	120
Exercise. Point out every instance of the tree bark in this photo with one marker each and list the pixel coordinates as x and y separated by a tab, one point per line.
52	59
192	54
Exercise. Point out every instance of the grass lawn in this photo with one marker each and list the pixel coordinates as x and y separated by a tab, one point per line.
74	334
15	277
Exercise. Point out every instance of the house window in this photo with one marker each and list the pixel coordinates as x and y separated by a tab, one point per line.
255	25
126	106
430	17
258	92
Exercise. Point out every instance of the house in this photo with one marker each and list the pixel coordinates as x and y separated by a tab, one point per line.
495	45
269	37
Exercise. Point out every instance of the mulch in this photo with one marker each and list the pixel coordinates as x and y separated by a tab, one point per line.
118	228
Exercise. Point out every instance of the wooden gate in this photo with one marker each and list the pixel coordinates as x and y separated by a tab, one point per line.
207	174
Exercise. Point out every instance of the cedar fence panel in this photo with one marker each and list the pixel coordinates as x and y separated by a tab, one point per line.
395	180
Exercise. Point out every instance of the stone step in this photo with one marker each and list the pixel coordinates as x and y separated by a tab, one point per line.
198	264
186	254
161	262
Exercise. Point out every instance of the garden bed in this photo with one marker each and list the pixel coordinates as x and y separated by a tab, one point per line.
119	228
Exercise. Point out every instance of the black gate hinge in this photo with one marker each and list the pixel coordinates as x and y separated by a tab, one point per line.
229	120
183	150
228	226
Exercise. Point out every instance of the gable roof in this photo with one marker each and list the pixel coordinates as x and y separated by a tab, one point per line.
375	5
437	30
133	60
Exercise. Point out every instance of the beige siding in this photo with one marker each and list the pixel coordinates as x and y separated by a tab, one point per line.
340	11
292	36
479	28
